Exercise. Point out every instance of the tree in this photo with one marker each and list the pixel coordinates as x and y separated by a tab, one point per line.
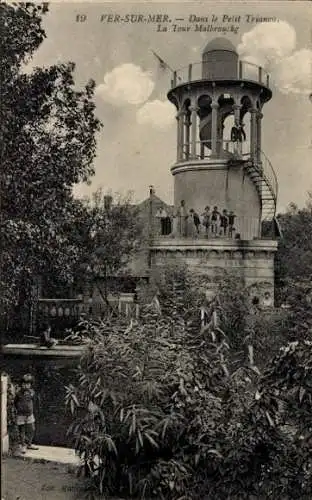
293	270
48	142
294	256
272	456
113	233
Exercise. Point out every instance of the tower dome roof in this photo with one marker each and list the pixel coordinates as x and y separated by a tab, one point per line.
219	43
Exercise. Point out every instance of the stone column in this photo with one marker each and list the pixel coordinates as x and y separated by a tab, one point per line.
193	110
187	124
237	109
214	128
253	134
259	124
219	136
4	419
180	139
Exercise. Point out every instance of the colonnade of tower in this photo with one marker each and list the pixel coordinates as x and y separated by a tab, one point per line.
200	125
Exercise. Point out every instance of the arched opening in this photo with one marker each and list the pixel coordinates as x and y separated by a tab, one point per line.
245	121
186	104
204	114
226	102
204	104
228	124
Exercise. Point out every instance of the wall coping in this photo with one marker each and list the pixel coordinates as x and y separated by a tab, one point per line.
181	244
64	351
203	164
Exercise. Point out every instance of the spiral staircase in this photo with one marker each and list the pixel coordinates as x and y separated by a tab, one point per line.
261	171
264	178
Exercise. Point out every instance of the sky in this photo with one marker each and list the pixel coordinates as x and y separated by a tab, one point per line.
137	144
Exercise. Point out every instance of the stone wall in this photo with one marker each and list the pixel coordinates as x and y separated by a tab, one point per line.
252	261
4	427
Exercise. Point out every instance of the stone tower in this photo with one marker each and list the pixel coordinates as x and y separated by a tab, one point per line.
220	163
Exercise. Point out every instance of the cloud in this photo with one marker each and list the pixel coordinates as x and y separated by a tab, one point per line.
159	114
268	43
129	84
294	73
272	46
126	84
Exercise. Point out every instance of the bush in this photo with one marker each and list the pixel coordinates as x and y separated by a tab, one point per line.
168	409
272	456
152	405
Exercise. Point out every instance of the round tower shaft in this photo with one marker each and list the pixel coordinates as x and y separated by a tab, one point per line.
219	153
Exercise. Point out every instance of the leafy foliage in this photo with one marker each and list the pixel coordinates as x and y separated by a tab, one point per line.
47	147
293	269
48	141
154	398
293	260
167	408
113	232
277	428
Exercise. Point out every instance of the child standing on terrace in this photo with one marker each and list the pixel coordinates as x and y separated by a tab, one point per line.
224	223
231	218
206	220
215	218
25	420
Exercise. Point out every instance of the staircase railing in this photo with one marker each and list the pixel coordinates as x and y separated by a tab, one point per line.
269	174
264	177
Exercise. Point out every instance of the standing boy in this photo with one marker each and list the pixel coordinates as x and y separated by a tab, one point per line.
196	220
215	221
206	219
25	420
223	223
231	223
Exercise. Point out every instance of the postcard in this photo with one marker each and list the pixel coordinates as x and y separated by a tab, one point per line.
198	113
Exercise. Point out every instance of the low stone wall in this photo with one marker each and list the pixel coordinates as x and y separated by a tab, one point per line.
4	426
253	260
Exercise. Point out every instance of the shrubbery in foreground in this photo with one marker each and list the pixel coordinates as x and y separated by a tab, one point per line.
163	410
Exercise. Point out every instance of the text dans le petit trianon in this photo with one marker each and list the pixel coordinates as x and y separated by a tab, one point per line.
165	18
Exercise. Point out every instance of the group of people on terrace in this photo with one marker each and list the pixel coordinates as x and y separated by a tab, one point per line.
212	223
